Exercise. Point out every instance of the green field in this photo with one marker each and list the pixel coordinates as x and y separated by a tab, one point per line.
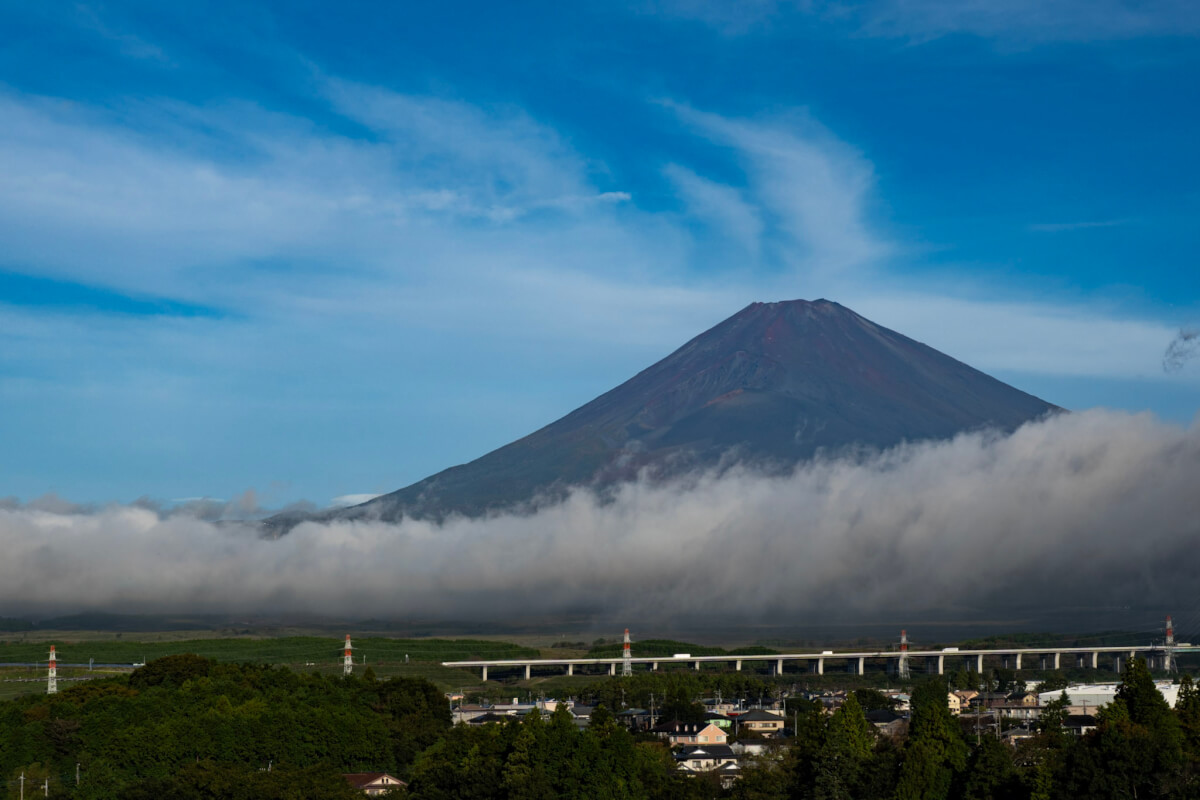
295	651
386	657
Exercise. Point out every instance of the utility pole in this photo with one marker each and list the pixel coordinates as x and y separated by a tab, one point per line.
22	779
76	773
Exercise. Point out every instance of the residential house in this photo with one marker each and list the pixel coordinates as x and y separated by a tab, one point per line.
955	703
1014	735
750	747
887	723
715	758
467	712
762	722
690	733
374	784
720	720
1079	724
490	718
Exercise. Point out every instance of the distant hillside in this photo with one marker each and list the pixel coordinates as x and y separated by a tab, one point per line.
667	647
774	384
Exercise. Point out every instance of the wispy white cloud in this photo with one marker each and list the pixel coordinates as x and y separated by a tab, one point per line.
718	205
440	241
129	44
347	500
1032	20
1013	21
729	18
1022	336
1060	227
815	188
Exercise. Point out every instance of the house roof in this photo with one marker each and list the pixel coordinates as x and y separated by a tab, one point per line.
881	716
484	719
759	716
360	780
706	750
675	726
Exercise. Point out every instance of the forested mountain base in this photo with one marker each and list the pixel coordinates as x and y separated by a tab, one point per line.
185	728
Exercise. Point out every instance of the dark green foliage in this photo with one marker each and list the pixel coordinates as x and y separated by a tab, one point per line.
874	700
936	752
206	780
190	728
171	671
991	774
545	759
1053	682
196	728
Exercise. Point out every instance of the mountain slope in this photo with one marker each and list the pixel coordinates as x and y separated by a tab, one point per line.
776	382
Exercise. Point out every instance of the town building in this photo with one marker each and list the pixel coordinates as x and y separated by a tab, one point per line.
761	722
373	784
690	733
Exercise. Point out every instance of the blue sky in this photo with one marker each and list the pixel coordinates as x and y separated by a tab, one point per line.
317	250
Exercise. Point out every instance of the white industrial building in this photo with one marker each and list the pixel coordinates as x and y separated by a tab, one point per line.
1087	697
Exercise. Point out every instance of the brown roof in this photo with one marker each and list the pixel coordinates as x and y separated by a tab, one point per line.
360	780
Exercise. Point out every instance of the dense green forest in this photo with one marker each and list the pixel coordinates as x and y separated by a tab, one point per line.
189	727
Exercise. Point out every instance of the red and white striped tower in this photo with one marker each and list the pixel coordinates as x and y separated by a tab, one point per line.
1169	647
348	662
626	657
52	676
902	664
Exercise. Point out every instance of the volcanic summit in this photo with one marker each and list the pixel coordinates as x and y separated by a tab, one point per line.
775	384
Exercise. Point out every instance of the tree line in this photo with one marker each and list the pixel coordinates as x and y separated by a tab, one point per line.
185	727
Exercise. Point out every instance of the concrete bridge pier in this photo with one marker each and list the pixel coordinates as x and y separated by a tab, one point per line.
979	663
654	666
1018	666
862	666
737	665
697	666
1095	659
779	666
570	669
820	666
612	668
941	662
485	674
528	671
1058	660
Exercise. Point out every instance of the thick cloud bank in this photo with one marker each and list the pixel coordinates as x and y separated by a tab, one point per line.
1088	508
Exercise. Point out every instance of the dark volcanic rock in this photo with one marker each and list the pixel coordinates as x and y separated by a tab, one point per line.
776	383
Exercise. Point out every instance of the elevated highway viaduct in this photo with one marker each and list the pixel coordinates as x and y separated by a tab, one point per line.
932	661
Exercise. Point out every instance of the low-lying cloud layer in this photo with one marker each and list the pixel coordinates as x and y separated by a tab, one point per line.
1090	508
